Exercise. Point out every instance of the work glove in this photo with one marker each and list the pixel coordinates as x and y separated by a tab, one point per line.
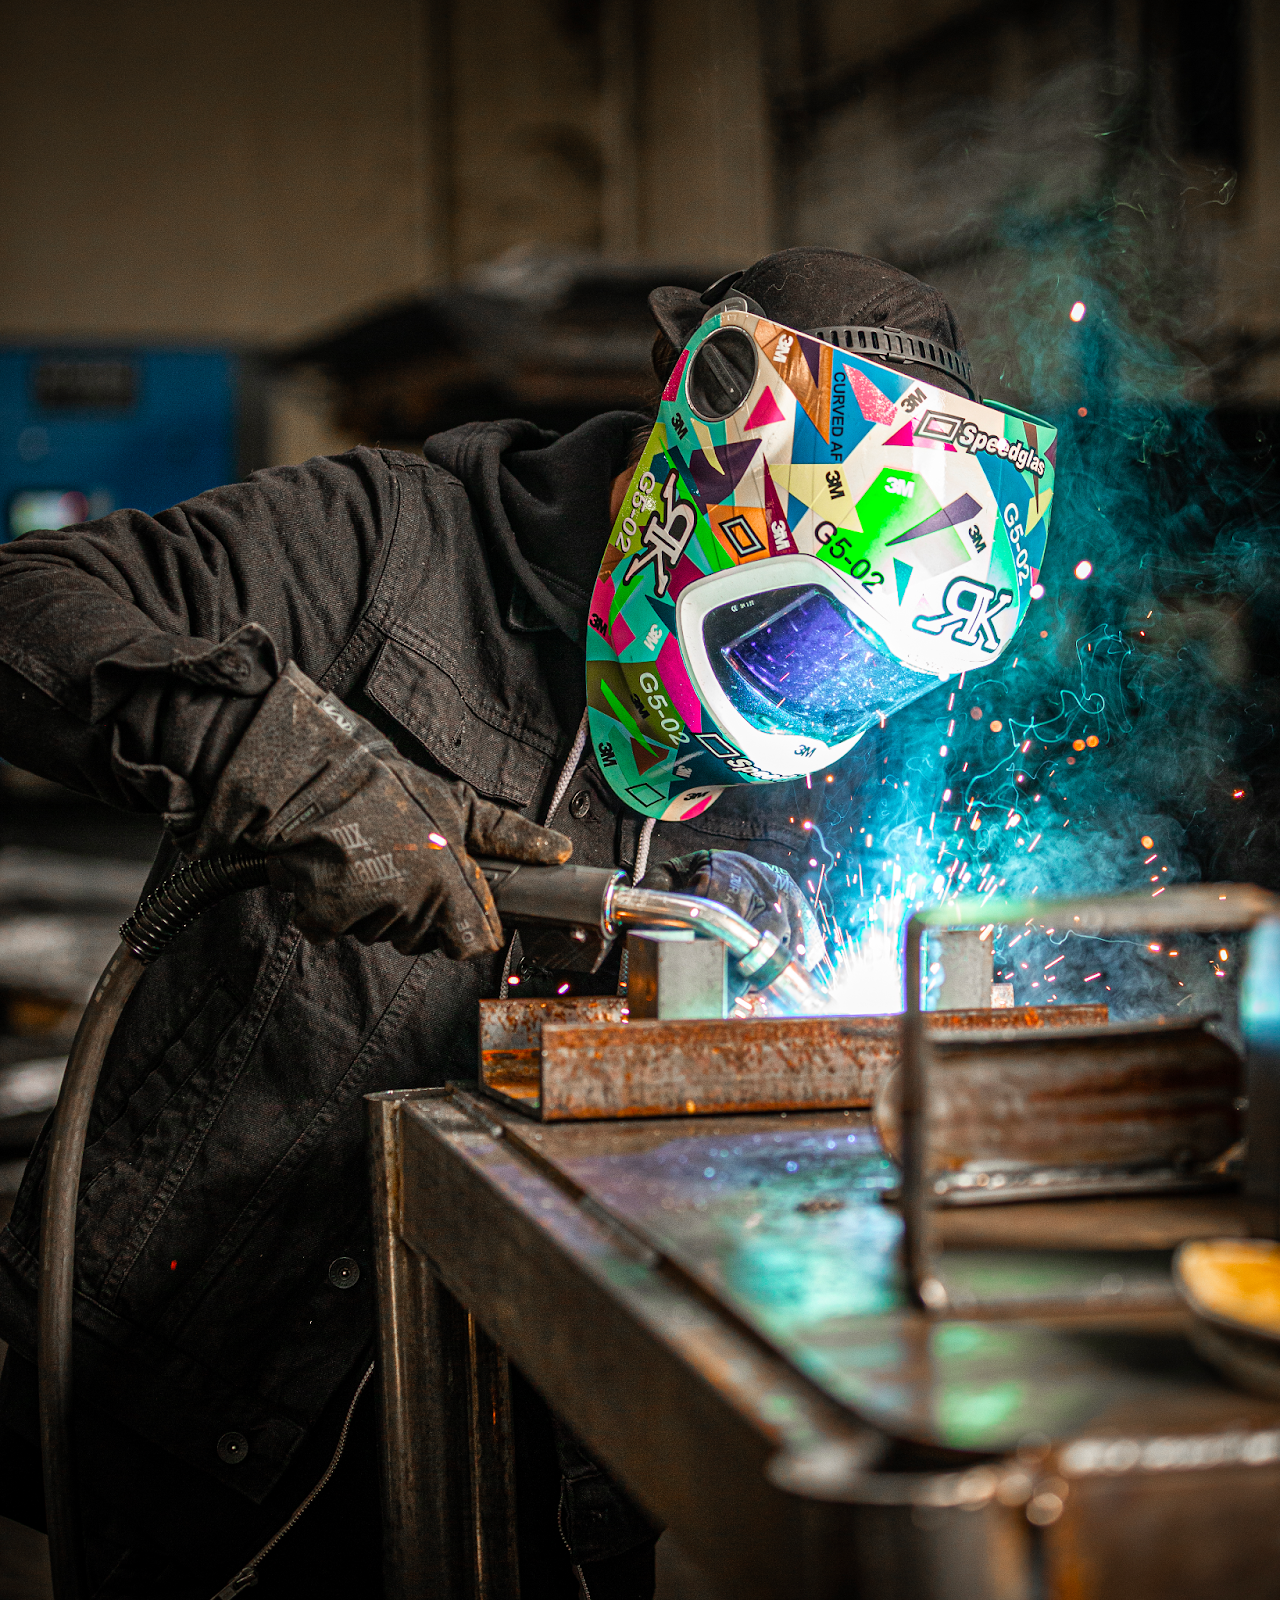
367	843
767	897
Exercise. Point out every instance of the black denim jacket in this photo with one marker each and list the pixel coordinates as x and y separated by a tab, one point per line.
225	1167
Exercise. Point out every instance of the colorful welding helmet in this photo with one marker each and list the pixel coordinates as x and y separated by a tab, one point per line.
810	541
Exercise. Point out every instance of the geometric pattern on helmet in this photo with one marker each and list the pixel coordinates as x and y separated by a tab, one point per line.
923	513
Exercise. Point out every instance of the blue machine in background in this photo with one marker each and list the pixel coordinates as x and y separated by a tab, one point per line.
83	432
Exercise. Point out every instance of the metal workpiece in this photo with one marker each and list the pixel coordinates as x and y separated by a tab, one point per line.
1205	907
673	976
1110	1109
965	956
571	1059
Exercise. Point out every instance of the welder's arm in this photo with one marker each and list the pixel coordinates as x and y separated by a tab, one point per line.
368	843
769	899
134	650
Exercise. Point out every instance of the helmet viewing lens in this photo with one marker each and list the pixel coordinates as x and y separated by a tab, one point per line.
796	661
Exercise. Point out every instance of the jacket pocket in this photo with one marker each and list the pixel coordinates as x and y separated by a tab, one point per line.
504	763
125	1166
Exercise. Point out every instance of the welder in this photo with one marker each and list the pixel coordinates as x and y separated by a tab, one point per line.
374	668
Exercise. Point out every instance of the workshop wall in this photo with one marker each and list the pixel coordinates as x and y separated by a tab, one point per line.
248	175
966	141
249	172
229	170
260	175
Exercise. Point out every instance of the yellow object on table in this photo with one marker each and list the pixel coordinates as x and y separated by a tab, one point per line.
1235	1279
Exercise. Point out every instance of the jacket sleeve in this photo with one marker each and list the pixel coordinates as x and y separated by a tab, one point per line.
134	650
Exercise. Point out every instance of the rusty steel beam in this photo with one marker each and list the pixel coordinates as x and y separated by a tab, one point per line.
1202	907
592	1068
1074	1111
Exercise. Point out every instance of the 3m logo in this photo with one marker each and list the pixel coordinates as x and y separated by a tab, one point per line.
969	610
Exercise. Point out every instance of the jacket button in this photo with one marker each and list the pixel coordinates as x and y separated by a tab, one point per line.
344	1273
233	1448
580	805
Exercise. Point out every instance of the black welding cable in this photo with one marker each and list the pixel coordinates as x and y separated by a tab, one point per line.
147	934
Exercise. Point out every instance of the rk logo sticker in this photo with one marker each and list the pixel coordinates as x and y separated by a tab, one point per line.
969	609
664	541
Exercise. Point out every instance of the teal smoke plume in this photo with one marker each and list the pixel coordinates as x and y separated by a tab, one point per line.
1119	743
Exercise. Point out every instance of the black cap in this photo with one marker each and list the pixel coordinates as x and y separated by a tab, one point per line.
813	289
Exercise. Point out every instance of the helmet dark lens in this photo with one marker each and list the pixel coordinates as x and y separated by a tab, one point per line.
721	373
796	661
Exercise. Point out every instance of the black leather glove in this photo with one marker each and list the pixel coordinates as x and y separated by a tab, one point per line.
368	843
769	899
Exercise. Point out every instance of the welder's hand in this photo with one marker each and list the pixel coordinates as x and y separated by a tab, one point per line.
368	843
766	896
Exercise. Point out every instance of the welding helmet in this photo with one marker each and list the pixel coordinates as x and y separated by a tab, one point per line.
810	540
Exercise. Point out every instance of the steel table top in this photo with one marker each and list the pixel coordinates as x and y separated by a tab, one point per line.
715	1306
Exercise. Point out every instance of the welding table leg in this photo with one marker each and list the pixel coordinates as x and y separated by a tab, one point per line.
448	1482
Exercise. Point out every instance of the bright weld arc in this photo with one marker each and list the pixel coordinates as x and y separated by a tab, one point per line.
867	975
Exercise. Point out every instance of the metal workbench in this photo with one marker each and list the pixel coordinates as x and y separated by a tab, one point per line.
715	1307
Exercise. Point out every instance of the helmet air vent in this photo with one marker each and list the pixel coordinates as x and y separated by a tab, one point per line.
721	373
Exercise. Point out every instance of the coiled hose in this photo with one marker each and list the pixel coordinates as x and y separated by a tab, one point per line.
147	934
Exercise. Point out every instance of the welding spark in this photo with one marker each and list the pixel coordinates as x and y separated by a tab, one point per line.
1083	569
1077	311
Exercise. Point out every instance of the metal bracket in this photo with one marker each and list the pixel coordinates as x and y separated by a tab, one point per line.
1206	907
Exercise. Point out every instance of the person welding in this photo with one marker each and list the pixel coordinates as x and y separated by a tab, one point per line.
375	668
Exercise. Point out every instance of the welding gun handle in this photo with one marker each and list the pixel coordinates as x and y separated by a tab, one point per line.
551	897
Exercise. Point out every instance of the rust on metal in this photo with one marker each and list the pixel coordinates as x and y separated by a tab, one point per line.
511	1039
1187	907
1140	1097
639	1068
517	1024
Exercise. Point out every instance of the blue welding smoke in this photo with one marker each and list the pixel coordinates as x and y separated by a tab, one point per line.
1110	747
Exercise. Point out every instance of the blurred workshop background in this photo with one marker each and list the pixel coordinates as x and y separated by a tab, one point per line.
236	235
